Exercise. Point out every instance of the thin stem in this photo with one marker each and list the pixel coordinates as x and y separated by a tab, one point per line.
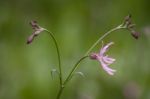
69	77
58	55
102	37
73	70
60	92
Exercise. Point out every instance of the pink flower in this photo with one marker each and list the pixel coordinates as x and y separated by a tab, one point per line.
105	60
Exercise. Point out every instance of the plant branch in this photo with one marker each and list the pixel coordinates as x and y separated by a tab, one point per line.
58	55
102	37
85	56
73	70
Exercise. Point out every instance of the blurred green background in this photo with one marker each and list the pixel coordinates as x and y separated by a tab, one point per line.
77	24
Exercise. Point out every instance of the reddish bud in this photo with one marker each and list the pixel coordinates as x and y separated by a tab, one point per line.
135	34
127	18
30	39
34	25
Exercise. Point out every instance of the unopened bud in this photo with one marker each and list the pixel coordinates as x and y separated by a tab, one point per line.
127	21
34	25
30	39
135	34
127	18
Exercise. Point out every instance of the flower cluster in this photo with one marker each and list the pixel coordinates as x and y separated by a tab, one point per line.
130	26
37	30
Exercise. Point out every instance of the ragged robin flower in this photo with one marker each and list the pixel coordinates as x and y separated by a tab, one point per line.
104	60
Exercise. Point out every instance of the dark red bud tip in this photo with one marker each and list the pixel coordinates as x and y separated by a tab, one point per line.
135	34
30	39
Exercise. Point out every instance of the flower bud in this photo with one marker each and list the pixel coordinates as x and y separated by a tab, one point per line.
135	34
30	39
34	25
128	18
37	30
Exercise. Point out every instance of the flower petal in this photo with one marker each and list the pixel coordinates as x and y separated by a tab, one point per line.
105	48
108	60
106	68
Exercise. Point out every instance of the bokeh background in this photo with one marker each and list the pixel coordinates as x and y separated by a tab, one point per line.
77	24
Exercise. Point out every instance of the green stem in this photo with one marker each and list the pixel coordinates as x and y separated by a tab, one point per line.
73	70
60	92
58	55
69	77
102	37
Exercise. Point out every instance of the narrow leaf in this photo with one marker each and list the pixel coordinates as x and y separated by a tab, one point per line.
80	73
53	72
